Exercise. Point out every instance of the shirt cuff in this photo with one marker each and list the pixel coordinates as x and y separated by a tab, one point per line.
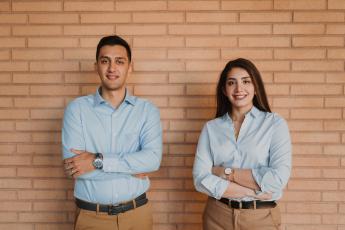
215	186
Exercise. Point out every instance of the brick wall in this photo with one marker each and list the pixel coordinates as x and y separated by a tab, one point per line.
46	59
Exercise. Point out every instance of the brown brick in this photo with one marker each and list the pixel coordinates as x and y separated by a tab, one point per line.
210	77
335	29
193	53
266	17
37	30
13	19
36	54
165	17
206	89
89	6
15	183
52	183
300	5
54	90
315	137
324	41
141	5
46	113
37	78
6	125
316	113
245	29
211	17
335	125
318	65
264	42
14	114
298	77
158	90
191	102
37	6
161	41
141	29
14	66
305	125
335	102
5	78
296	54
297	102
41	195
307	149
4	54
13	90
247	5
5	6
194	29
149	53
93	18
52	42
88	30
172	113
53	18
159	66
186	125
39	102
318	17
312	185
302	219
251	54
316	161
316	89
54	66
193	5
42	217
336	4
38	125
306	173
204	65
8	216
211	42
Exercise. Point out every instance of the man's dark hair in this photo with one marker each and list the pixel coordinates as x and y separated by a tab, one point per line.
112	41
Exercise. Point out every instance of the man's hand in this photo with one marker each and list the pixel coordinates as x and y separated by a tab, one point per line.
79	164
263	196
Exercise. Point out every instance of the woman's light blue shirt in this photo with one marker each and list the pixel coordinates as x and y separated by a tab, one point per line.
263	145
129	137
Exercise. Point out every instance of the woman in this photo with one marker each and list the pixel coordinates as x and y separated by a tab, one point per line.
243	158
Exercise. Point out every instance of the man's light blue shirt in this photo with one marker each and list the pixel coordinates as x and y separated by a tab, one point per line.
129	137
263	145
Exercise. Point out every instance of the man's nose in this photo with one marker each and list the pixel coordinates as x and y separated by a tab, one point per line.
112	66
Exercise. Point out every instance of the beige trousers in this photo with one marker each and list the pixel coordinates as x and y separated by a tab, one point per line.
218	216
136	219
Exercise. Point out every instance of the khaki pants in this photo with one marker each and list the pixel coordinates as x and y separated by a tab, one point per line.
218	216
136	219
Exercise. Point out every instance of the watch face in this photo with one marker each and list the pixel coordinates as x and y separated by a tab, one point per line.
227	171
98	163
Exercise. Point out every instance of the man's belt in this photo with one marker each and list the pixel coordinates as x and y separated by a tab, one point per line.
255	204
112	209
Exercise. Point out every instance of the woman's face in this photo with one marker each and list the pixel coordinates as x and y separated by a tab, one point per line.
239	89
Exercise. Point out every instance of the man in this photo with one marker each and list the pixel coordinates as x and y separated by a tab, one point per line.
110	140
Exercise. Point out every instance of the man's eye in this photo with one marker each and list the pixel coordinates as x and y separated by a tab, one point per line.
120	62
104	61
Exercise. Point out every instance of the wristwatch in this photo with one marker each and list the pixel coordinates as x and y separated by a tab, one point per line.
98	161
227	172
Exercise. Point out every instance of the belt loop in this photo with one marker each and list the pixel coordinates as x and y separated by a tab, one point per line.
97	208
254	202
134	203
240	204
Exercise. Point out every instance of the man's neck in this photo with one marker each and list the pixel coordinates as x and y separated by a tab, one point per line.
114	97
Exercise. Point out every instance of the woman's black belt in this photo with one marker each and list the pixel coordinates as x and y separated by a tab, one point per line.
112	209
254	204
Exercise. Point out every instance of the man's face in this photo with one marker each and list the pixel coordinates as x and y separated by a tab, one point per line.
113	67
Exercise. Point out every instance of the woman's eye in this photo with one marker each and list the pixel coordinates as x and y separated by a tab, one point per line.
246	82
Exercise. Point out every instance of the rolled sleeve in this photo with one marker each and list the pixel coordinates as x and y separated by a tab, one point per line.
204	180
274	177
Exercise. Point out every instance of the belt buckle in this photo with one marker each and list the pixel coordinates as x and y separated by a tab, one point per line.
115	209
